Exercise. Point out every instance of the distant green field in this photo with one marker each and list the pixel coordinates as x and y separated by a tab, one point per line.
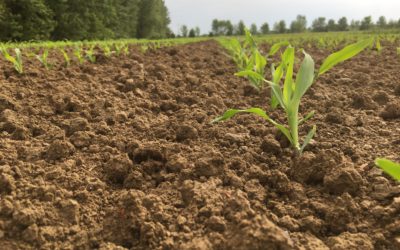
323	39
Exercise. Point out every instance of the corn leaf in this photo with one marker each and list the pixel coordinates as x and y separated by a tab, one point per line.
249	73
275	48
389	167
288	60
344	54
304	79
307	117
257	111
308	138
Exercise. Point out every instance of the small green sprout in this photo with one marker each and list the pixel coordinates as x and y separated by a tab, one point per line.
378	46
107	50
16	61
78	54
289	95
398	51
125	50
249	58
121	48
144	48
43	58
90	54
389	167
67	59
237	52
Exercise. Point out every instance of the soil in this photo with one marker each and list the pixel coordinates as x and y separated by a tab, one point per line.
121	155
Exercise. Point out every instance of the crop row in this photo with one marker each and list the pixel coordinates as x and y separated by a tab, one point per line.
79	52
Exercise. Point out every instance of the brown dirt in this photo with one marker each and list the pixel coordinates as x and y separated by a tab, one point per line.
121	154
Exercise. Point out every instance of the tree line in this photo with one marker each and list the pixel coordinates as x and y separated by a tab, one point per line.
320	24
25	20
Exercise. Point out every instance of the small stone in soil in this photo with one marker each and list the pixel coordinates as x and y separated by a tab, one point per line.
185	132
342	180
270	145
59	149
391	111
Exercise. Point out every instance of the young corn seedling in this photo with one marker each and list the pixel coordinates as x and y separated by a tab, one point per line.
125	50
289	95
389	167
378	46
121	48
78	54
238	54
249	58
43	59
255	62
107	50
67	59
16	61
398	51
144	48
90	55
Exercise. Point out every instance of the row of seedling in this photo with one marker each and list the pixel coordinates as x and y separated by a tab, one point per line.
288	88
80	53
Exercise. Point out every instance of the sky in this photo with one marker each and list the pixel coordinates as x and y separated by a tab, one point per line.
201	12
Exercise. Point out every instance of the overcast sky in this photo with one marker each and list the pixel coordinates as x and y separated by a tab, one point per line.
202	12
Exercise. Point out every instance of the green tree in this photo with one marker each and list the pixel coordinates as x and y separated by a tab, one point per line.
280	27
229	28
192	33
319	25
240	29
254	29
22	20
342	24
153	19
125	18
222	27
184	31
366	23
299	25
83	19
264	29
355	25
331	26
197	31
382	23
215	26
79	20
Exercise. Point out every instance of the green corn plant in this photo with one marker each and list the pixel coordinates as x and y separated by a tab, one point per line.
289	95
43	59
237	53
119	49
255	61
144	48
378	46
389	167
321	43
107	50
67	59
78	54
398	51
90	54
16	61
125	50
249	58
